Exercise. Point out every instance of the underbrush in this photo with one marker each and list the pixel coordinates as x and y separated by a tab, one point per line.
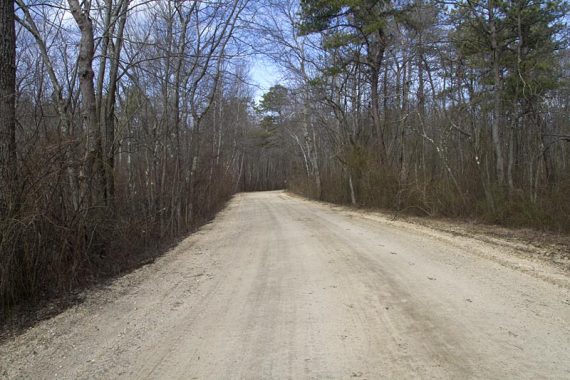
47	252
546	209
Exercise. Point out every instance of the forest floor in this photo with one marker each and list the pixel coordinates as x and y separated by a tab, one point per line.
281	287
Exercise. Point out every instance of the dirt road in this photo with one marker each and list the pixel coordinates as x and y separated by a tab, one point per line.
282	288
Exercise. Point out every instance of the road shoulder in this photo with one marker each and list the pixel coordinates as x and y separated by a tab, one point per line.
543	255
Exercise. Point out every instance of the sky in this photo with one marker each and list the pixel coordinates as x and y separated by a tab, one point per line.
263	75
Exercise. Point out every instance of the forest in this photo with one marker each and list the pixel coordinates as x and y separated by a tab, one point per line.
127	124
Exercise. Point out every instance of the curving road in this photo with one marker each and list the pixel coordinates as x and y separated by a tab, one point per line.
282	288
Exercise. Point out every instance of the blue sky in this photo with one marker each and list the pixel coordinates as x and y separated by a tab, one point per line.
263	75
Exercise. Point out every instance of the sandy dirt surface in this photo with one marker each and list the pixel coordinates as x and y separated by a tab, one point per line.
278	287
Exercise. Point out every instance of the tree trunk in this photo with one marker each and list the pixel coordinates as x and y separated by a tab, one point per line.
351	188
94	170
497	90
8	165
110	106
376	57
